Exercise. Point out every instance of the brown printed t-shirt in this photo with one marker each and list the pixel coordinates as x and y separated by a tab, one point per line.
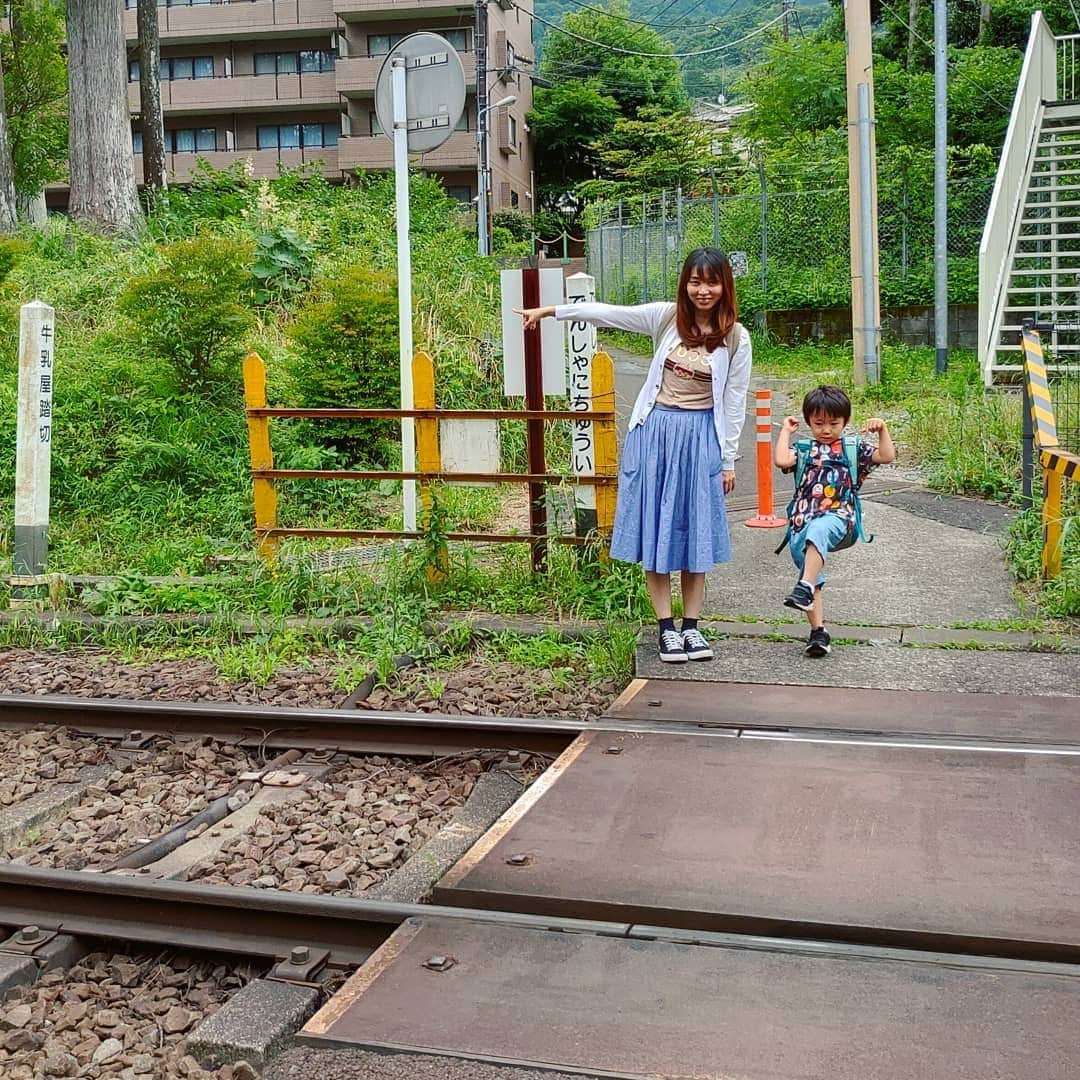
679	388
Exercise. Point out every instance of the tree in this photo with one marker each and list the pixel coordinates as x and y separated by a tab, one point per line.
656	150
586	53
103	191
8	219
599	78
155	176
35	92
568	121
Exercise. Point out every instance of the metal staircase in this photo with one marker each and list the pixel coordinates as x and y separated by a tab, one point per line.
1029	259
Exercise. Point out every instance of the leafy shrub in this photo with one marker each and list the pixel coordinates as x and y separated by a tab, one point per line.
195	308
345	347
283	263
11	250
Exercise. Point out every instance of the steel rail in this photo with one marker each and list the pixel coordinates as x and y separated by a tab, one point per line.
414	734
267	923
236	920
427	734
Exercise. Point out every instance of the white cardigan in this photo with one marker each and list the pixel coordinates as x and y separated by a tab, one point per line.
730	375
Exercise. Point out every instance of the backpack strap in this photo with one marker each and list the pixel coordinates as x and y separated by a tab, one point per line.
802	458
851	445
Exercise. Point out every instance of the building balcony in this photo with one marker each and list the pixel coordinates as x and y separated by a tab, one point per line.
377	152
264	163
367	10
357	75
244	93
239	19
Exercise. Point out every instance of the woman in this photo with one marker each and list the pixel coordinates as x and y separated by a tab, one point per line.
678	462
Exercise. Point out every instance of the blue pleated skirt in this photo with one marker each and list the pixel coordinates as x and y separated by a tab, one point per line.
670	513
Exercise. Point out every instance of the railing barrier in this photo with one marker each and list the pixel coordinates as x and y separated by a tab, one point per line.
429	462
1058	465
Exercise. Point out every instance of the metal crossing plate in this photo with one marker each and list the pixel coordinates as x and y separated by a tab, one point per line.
960	850
635	1008
1000	717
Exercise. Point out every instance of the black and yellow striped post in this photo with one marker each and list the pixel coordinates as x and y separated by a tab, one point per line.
1058	465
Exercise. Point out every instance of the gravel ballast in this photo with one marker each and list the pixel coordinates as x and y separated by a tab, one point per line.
477	687
135	804
344	834
496	689
115	1016
32	761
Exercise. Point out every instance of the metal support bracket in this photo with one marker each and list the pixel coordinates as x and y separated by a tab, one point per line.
27	941
302	967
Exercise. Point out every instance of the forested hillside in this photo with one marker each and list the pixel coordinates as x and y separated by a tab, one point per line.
694	25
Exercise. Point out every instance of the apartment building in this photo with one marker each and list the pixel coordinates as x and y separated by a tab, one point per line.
292	82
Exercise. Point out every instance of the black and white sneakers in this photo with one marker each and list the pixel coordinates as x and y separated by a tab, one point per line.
801	597
672	650
819	644
697	648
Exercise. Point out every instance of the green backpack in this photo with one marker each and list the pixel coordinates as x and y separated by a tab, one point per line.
850	444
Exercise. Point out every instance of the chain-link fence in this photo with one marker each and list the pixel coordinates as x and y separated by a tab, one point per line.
794	244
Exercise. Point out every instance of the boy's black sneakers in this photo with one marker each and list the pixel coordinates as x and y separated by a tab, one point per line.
820	644
801	597
672	650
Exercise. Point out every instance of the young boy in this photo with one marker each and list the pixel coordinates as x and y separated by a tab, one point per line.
822	514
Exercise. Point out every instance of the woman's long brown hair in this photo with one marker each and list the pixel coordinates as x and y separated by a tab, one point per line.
712	265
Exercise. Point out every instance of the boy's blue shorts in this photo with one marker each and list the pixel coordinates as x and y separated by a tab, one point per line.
826	531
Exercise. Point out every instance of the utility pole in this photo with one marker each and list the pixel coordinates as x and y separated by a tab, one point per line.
862	185
941	211
786	7
482	210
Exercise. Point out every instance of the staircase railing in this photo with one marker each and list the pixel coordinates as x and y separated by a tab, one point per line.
1068	46
1038	84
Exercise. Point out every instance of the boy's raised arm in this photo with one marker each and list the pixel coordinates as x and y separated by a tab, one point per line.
783	455
886	450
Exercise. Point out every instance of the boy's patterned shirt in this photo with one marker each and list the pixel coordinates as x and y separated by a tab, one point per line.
826	486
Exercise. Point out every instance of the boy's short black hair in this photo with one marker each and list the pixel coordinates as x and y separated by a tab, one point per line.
828	401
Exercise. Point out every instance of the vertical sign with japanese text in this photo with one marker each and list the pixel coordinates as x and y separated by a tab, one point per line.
33	457
581	337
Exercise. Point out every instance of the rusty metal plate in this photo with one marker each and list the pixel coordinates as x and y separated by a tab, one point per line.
999	717
621	1007
959	850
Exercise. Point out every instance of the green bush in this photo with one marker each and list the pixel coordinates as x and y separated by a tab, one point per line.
345	351
194	309
11	250
283	264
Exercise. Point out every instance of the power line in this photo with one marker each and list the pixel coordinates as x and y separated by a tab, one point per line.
682	24
653	55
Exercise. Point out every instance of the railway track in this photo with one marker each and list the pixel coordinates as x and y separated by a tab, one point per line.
716	850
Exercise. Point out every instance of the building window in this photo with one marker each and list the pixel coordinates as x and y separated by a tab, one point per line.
136	140
178	67
191	140
295	136
511	127
289	63
514	200
460	194
381	44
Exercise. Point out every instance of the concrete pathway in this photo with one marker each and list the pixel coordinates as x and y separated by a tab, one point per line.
935	562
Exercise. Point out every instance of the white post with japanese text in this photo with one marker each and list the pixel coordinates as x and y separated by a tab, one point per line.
33	454
581	338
